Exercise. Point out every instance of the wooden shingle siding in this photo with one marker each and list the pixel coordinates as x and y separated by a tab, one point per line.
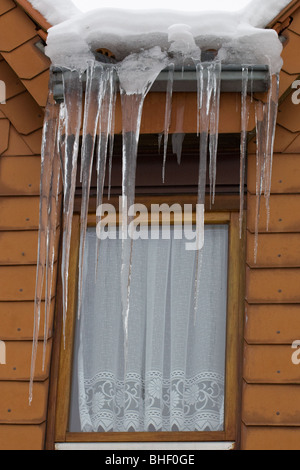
16	319
274	250
20	175
271	391
24	113
24	69
270	364
17	283
19	213
283	180
265	406
22	437
14	406
272	324
18	360
270	438
16	144
27	60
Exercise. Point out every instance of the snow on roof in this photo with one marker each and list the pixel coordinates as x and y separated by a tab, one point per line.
55	11
239	36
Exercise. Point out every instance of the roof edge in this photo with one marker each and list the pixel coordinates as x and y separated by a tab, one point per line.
287	11
34	14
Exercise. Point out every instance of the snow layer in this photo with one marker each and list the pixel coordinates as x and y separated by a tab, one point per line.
260	13
73	42
55	11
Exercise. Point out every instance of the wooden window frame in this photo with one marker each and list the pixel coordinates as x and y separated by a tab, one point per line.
61	381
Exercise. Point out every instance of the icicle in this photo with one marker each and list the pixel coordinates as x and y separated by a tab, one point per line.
177	142
214	129
243	150
51	241
93	102
47	155
132	106
145	67
73	112
103	139
271	117
112	130
179	135
168	112
260	166
159	141
205	73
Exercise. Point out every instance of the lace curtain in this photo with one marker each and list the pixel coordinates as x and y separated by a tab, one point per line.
174	379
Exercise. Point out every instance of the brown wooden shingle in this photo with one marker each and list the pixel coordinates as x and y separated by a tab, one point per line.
276	250
22	437
19	213
19	176
270	438
24	113
265	364
15	29
18	358
272	324
27	60
14	406
263	405
16	320
284	181
16	144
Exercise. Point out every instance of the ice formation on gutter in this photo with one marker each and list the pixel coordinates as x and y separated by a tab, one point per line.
144	44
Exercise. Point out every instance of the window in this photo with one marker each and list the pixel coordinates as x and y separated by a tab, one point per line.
182	372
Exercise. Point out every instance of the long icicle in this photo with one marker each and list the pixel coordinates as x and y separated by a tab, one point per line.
51	241
146	69
73	108
214	129
132	106
103	141
47	154
260	166
92	107
112	129
206	82
271	119
168	112
243	147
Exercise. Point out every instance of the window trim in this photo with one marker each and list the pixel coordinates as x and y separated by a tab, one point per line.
60	388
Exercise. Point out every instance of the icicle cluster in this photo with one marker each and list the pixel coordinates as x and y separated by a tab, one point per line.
61	147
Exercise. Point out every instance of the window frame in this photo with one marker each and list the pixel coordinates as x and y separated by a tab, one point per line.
61	380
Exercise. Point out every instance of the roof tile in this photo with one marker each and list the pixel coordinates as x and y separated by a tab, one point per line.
27	60
16	144
15	29
38	87
13	85
6	5
24	113
290	56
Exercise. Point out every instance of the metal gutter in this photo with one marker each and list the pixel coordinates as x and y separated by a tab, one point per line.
186	81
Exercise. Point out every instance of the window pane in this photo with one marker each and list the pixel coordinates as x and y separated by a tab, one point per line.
174	377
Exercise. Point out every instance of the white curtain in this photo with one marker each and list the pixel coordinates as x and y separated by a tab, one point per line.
174	379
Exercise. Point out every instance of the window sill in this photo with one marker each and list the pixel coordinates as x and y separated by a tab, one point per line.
177	446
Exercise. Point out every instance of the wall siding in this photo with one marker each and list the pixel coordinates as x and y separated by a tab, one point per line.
271	390
24	69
